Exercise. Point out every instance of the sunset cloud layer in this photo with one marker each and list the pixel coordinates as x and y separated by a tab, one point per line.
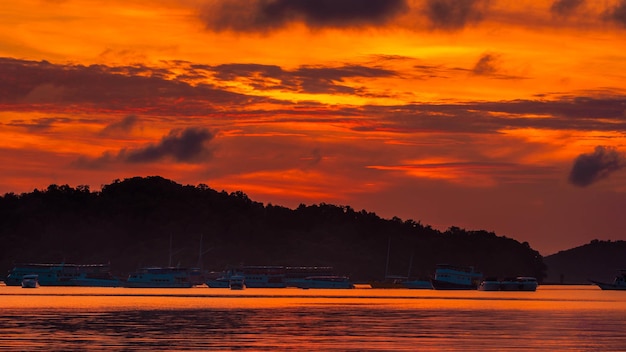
496	115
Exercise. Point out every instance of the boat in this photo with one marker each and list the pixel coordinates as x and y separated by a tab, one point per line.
296	275
619	283
520	283
331	281
218	279
30	281
160	277
451	277
237	282
62	274
258	276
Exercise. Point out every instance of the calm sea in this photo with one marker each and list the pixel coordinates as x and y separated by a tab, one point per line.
563	318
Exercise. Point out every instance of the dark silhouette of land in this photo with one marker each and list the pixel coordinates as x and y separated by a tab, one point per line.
597	260
153	221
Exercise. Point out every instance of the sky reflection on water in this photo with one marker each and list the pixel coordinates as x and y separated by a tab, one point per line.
323	320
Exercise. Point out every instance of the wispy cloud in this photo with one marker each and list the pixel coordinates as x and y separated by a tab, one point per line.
592	167
617	13
565	7
125	125
455	14
267	15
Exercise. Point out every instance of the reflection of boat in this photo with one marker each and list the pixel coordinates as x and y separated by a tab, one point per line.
161	277
331	281
619	283
450	277
520	283
30	281
61	274
237	282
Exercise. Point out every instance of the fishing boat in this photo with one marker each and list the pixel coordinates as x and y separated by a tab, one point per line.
451	277
160	277
520	283
62	274
619	283
30	281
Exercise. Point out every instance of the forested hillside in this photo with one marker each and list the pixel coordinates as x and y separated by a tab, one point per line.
597	260
154	221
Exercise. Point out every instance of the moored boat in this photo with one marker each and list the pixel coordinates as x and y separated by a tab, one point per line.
619	283
237	282
258	276
451	277
56	274
30	281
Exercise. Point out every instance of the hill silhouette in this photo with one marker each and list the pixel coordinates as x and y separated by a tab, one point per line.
597	260
154	221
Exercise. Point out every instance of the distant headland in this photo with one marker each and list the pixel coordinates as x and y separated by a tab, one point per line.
144	221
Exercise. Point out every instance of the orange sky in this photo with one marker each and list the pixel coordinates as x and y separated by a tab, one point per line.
507	116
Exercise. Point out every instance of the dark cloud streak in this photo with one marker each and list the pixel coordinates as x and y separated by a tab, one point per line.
268	15
565	7
590	168
455	14
182	146
125	125
617	14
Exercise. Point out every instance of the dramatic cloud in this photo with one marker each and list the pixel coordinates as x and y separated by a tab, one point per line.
565	7
30	83
305	79
589	168
266	15
185	146
617	13
455	14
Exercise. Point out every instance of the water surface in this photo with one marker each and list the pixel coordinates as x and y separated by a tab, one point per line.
575	318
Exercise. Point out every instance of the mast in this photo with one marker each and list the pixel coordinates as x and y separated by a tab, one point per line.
387	264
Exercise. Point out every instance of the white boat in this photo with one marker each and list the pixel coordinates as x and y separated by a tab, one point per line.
619	283
520	283
60	274
237	282
332	281
160	277
451	277
30	281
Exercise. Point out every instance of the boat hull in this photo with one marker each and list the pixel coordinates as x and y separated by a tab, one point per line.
609	287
